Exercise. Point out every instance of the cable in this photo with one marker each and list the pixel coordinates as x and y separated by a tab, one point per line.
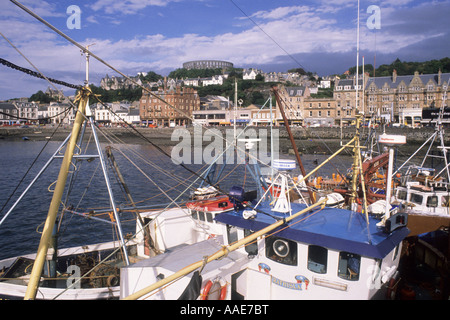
273	40
37	74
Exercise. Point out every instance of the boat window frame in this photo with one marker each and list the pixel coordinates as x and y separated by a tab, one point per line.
436	203
291	259
402	194
251	248
312	264
445	201
232	234
396	251
349	273
413	196
209	216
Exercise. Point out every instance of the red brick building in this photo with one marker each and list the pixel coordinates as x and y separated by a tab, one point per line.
154	111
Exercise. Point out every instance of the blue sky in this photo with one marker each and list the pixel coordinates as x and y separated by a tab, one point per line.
159	35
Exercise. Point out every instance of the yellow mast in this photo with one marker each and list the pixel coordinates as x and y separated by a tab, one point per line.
56	200
357	171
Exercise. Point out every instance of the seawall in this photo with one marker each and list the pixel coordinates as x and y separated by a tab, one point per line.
308	140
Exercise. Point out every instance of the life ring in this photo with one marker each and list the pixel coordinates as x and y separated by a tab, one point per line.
214	291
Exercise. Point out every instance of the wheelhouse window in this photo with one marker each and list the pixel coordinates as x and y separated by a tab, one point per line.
416	198
348	267
232	234
402	194
251	248
281	250
317	259
202	216
445	201
432	201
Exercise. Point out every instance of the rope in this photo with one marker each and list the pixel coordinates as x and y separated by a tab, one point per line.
37	74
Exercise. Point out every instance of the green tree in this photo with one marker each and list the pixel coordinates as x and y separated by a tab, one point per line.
41	97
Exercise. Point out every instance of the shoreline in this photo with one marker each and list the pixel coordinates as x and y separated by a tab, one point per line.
308	140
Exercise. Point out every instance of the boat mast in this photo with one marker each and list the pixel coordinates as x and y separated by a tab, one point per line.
57	196
103	165
291	137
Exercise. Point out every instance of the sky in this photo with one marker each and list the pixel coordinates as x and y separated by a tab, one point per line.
159	35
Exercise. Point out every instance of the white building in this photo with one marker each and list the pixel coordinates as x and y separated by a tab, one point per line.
250	74
194	82
60	113
214	80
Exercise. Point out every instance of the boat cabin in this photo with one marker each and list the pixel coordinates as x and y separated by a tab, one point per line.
423	200
327	253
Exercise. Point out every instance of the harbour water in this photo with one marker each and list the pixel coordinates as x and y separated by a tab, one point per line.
20	232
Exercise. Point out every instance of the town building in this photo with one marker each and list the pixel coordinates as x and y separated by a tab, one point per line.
207	64
250	74
293	104
60	113
347	104
214	80
8	113
320	112
116	83
402	99
154	111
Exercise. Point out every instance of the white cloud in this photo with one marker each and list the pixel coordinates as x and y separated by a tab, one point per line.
296	29
127	6
281	12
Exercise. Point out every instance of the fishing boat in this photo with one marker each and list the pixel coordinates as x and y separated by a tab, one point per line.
423	189
277	251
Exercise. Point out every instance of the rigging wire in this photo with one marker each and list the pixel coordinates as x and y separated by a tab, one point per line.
271	38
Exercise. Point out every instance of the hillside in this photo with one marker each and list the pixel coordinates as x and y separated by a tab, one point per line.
257	91
406	68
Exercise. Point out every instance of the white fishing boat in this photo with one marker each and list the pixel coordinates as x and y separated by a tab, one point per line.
423	189
277	251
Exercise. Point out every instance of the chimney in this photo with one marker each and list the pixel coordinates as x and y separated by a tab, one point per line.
394	76
439	77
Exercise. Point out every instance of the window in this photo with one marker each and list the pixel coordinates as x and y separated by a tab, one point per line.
401	194
232	234
432	201
416	198
317	259
396	250
198	215
251	248
445	201
209	217
281	250
348	267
